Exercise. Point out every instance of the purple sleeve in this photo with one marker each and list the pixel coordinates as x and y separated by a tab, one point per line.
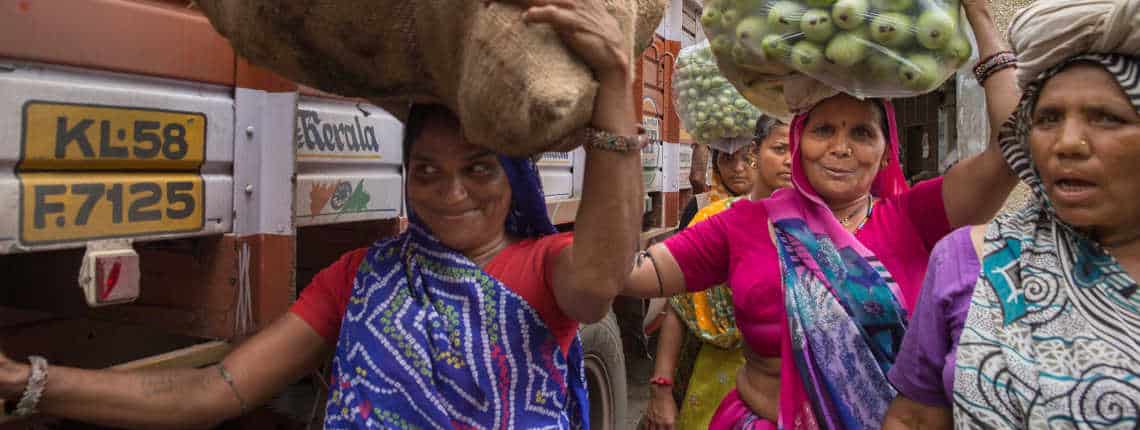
926	209
701	251
918	369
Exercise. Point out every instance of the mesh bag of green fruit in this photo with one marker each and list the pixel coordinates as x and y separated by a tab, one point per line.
711	109
866	48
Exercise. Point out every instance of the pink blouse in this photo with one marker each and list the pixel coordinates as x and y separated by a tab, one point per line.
734	247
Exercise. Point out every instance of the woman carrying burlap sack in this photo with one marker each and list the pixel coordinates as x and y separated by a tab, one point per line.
1035	324
467	320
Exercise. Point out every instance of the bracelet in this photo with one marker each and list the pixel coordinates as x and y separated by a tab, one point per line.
35	388
656	271
993	64
991	60
230	381
661	381
606	141
996	69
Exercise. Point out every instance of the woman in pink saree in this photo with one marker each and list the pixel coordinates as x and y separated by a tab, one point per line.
823	275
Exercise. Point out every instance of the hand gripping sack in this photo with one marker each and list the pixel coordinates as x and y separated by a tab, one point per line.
516	88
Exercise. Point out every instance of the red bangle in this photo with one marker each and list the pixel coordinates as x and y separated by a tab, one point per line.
662	381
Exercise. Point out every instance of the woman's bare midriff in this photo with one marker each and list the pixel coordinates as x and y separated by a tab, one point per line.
758	383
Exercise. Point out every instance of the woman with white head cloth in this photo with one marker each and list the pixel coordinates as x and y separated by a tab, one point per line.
1053	334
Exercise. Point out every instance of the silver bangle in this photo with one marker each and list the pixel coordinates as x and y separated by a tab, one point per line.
35	388
230	381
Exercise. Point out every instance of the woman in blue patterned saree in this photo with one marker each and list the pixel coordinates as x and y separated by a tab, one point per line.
468	320
1052	339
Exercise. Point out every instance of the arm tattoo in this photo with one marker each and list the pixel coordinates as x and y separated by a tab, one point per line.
158	383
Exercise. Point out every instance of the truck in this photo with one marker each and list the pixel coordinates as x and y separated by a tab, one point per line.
163	198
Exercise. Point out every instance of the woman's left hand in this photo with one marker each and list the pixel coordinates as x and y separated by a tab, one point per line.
661	414
588	29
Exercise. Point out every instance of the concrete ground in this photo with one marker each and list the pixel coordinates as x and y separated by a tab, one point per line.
639	368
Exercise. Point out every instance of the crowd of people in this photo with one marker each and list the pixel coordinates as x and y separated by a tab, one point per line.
827	292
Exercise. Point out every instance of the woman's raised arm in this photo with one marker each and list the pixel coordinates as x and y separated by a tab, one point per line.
975	189
590	274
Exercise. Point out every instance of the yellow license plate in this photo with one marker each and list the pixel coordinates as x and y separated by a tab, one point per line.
59	207
64	136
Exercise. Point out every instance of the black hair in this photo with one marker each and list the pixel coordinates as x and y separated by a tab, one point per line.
715	156
764	126
884	125
418	116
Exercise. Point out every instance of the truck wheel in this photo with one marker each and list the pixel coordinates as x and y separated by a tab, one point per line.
605	373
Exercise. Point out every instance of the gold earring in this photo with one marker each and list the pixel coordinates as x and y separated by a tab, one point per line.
1084	143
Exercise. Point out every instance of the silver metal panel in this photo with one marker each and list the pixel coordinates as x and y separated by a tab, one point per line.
263	162
22	82
686	156
654	180
685	163
28	82
579	170
669	166
556	170
556	159
557	184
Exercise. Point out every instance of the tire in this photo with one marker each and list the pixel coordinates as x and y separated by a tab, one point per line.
605	374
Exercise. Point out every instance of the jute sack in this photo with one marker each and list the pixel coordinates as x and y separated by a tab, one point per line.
516	88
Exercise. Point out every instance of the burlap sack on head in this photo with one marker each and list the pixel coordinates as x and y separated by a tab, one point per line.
516	88
1049	32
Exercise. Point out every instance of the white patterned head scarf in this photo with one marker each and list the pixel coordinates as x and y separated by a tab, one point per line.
1052	339
1050	32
